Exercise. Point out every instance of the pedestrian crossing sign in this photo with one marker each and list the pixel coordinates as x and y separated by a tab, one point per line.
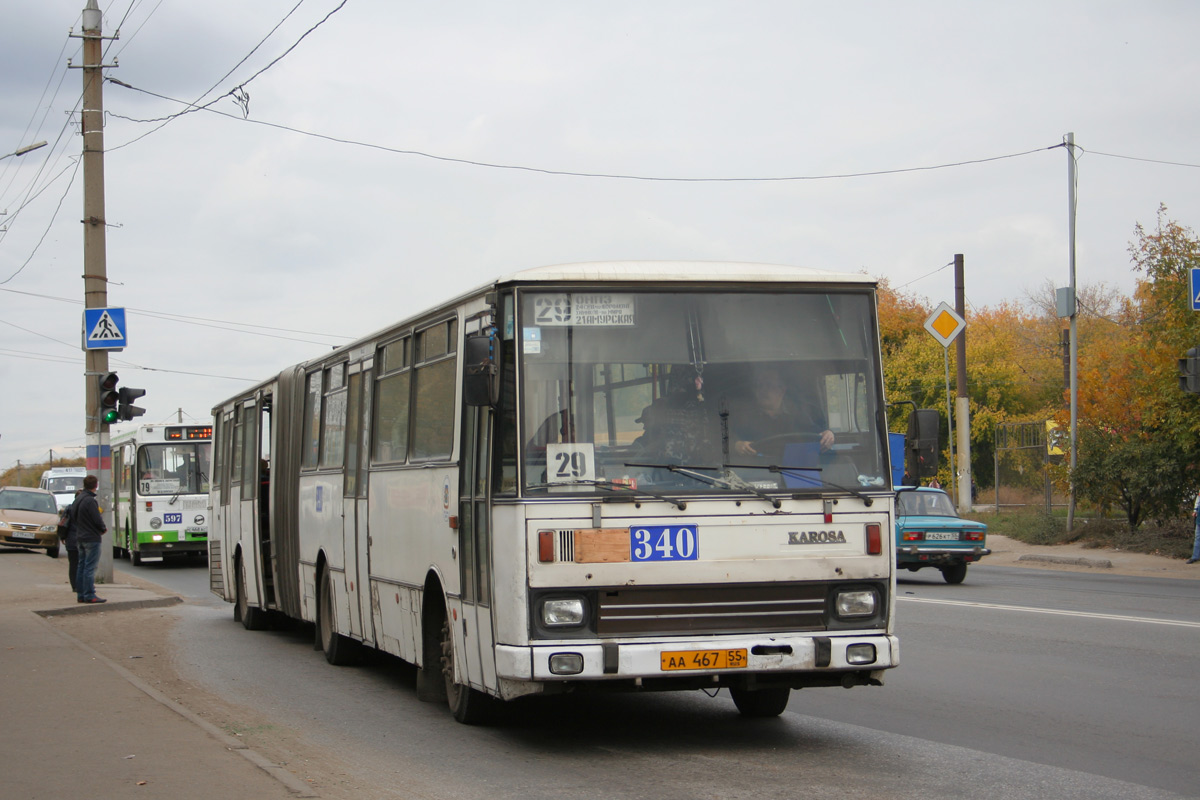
1195	287
104	329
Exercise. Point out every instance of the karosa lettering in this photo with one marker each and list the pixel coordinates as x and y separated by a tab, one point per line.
816	537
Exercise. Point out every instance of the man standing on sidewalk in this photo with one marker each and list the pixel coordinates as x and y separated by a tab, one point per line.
89	528
1196	544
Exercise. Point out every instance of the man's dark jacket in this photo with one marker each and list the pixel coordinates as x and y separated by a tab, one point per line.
86	522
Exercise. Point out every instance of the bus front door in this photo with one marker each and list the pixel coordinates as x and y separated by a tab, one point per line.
474	546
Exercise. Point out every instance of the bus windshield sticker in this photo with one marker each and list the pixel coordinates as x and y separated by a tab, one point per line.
586	309
570	462
531	340
159	486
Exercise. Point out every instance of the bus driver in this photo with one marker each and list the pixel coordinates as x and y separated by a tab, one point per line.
770	413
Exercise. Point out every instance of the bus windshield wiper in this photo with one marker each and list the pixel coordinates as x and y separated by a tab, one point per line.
799	472
613	487
726	481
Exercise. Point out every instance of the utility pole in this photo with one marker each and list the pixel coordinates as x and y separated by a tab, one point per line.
1074	308
95	270
963	409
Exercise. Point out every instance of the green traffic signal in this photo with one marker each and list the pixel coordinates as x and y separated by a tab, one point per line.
109	398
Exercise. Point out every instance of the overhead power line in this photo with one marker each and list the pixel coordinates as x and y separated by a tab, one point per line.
219	324
568	173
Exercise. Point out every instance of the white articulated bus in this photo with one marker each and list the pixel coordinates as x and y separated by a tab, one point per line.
569	480
160	491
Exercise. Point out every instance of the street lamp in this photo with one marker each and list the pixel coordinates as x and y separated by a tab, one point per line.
20	151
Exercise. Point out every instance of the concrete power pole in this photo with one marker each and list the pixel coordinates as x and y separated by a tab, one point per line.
95	270
1074	316
962	404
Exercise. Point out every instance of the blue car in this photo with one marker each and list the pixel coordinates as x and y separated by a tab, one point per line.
929	533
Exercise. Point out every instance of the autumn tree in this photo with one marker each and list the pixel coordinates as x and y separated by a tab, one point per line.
1139	434
1011	375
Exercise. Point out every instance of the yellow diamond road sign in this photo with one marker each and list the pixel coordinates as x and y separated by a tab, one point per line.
944	324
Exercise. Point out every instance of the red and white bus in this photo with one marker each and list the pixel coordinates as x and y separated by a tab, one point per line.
545	485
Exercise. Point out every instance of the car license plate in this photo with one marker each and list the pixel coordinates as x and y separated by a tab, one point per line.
942	535
704	659
23	535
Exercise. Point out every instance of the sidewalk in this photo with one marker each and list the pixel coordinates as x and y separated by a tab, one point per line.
76	724
1079	558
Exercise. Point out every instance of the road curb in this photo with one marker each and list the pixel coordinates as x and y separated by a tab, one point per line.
117	605
289	781
1098	563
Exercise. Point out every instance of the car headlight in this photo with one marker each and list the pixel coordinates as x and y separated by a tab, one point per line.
561	612
49	528
856	603
3	524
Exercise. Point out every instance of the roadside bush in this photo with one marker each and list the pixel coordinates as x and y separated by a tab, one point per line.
1170	538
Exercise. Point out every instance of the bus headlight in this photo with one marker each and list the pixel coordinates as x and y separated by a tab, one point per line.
562	612
855	603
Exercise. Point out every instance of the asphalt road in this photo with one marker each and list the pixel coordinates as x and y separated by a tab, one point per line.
1018	683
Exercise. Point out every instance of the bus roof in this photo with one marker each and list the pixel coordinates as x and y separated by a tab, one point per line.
671	271
56	471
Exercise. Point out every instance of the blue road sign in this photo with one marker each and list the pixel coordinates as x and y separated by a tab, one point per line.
104	329
1195	288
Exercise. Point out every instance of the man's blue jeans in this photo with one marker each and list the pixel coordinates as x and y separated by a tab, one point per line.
1196	545
85	579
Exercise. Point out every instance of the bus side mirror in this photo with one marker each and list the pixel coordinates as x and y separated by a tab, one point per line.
923	450
481	384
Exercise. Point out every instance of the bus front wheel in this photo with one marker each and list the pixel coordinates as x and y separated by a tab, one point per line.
760	703
469	706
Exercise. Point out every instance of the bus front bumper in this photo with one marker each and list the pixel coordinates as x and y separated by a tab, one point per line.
793	660
159	549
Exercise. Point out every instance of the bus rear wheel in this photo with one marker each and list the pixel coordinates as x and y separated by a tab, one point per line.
469	706
760	703
252	619
339	650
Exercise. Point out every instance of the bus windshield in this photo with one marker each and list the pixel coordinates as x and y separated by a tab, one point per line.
699	391
173	468
65	483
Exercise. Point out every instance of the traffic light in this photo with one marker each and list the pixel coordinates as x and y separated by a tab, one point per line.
126	410
108	398
1189	371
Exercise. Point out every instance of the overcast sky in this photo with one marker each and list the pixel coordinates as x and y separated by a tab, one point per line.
256	216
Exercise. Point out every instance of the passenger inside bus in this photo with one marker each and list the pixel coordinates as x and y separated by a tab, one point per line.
772	410
681	427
